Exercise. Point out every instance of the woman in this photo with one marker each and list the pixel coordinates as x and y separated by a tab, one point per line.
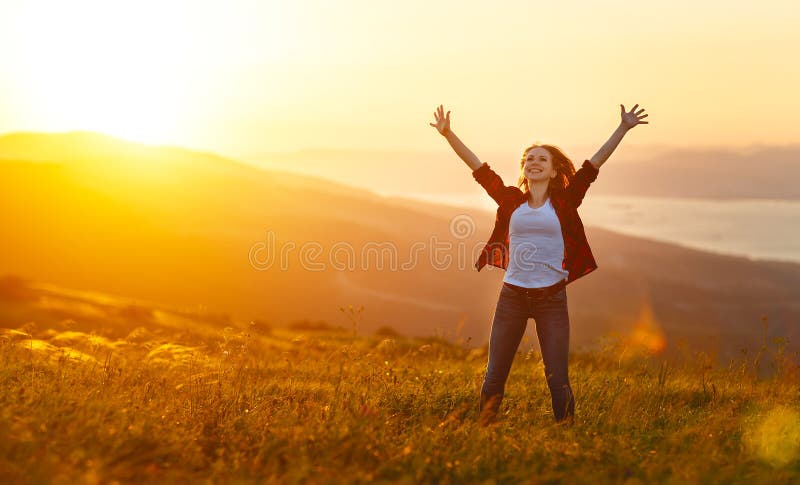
538	238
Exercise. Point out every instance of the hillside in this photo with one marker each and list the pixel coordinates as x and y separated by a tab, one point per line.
191	230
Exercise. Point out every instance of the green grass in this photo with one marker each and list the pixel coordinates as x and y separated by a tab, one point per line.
327	407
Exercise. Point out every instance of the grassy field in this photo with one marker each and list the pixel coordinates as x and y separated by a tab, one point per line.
283	406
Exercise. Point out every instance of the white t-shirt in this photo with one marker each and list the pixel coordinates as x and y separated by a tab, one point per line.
536	247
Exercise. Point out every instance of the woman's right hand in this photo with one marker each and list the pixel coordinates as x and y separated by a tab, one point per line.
442	122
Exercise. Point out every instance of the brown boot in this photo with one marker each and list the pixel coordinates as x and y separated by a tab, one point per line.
489	408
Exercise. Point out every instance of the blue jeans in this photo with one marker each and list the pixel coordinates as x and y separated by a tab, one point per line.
552	326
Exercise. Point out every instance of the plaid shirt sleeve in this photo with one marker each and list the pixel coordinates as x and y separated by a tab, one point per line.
491	182
579	183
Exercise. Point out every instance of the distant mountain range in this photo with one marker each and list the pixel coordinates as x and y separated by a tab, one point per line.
759	172
755	172
191	230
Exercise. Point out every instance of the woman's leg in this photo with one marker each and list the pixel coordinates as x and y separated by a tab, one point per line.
508	326
552	327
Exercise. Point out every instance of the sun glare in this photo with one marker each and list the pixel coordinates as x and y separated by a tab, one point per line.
100	66
144	71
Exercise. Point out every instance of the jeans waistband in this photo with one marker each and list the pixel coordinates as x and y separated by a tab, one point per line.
540	292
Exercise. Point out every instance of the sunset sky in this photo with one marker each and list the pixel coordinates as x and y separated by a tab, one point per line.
242	77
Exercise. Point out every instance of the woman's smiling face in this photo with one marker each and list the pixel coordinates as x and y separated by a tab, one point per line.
538	164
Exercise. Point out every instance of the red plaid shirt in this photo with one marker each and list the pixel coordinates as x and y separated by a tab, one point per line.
578	258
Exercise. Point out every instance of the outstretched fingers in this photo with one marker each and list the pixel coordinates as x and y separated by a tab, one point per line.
442	119
634	116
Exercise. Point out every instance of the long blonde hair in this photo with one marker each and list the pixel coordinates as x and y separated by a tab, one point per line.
562	164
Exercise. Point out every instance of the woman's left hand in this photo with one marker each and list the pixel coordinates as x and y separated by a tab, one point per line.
632	118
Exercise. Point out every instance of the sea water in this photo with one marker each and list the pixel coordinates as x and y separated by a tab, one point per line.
755	228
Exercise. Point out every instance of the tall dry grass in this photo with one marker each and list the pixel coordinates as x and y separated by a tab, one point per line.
328	407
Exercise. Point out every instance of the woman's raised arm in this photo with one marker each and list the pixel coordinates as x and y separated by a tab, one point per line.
442	125
628	120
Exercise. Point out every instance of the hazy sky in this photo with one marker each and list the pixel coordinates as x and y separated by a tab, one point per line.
242	77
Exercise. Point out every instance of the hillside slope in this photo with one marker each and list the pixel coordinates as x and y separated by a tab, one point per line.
189	229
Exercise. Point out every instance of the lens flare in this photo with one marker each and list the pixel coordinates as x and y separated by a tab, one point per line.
646	337
775	438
